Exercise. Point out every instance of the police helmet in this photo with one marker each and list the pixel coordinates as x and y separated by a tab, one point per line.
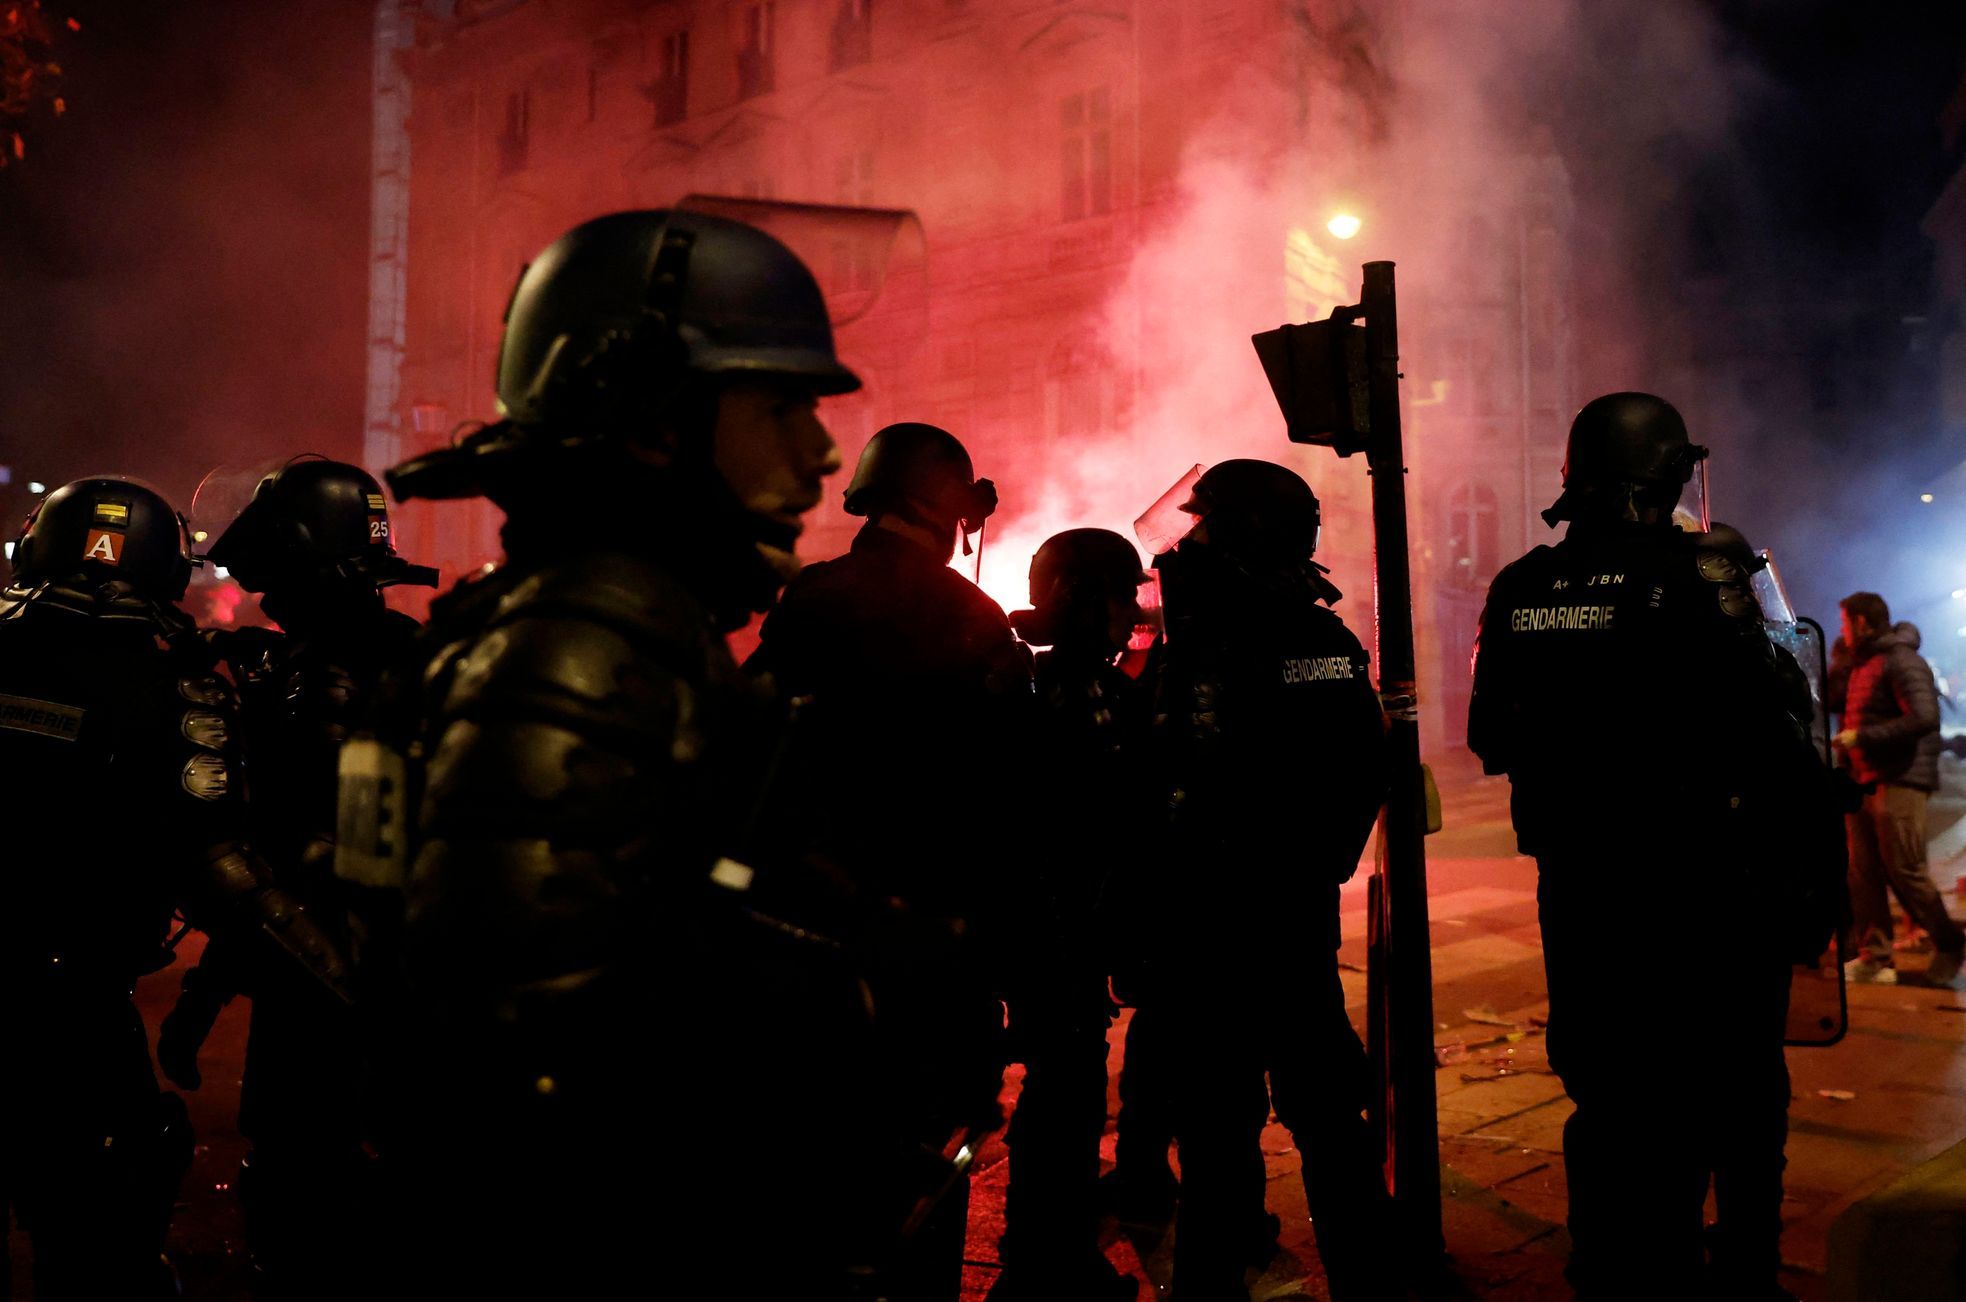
1074	575
921	472
107	527
1625	441
312	519
1081	558
623	302
605	327
1258	510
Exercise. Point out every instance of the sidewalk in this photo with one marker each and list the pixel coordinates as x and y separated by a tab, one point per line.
1501	1112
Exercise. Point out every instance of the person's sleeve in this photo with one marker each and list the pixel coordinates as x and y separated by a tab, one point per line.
1917	698
1491	707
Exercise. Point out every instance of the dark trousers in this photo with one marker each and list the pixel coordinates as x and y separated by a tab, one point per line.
90	1151
1291	1027
1887	857
307	1186
1145	1126
1058	1030
740	1136
1638	1157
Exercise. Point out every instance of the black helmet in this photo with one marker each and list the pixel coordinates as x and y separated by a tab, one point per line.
1258	511
315	519
605	325
1625	442
107	527
625	300
1074	575
920	471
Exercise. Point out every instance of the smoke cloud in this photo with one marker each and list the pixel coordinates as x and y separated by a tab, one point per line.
182	253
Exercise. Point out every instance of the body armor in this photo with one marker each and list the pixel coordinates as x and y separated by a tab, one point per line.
1273	743
120	745
601	997
1660	776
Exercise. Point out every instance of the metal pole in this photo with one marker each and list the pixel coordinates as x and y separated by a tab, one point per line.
1405	1001
389	232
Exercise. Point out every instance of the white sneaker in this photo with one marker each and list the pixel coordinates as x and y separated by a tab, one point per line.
1869	972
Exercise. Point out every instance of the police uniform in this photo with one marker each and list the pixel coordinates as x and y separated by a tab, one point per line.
615	1052
1090	808
912	692
118	739
592	751
1274	741
306	1186
1624	683
315	542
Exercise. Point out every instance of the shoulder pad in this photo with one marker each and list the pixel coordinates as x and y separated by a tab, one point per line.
1722	567
630	593
206	690
590	653
1717	565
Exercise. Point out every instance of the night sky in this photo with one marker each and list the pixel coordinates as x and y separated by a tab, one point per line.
182	254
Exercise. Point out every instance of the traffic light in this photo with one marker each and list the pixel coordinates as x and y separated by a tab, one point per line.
1318	373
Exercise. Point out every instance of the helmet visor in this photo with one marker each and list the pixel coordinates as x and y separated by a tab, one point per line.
1695	510
1164	523
223	494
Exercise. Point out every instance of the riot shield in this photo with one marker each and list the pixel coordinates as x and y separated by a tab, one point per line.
1164	523
1802	638
1819	1011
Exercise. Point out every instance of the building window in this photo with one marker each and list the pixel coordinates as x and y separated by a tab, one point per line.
1474	537
670	89
513	139
1086	154
755	73
853	34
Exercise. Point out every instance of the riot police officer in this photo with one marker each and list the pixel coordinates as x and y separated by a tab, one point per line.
117	739
1089	803
1625	684
608	1082
915	693
315	543
1274	743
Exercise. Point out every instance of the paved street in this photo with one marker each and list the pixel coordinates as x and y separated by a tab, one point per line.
1501	1112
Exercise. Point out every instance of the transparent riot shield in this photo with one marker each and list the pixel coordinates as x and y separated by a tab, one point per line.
1802	638
1164	523
222	494
1819	1010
